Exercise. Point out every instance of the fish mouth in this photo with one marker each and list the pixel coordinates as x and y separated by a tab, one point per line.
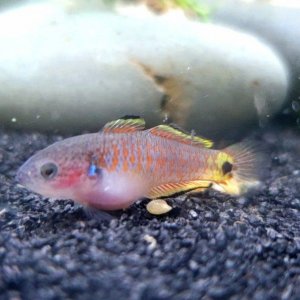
23	176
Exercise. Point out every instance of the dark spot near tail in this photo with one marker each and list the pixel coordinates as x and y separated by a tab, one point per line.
227	167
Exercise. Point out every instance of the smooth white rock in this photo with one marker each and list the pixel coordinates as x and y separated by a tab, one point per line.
277	22
76	71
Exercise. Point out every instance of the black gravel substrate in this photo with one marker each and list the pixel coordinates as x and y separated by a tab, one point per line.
213	247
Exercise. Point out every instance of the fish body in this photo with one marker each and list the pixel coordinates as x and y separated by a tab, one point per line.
124	162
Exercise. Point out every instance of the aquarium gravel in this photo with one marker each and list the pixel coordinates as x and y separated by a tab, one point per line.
213	246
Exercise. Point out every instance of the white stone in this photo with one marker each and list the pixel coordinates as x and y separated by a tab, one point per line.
277	22
76	71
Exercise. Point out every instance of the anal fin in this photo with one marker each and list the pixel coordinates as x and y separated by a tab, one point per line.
200	190
170	189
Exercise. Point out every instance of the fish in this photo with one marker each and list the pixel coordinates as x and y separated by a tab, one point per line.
125	162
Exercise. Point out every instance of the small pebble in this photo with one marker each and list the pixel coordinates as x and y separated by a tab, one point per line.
193	213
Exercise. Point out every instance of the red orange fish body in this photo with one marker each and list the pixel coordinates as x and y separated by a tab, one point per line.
123	163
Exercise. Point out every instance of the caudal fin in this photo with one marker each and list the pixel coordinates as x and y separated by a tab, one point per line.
246	169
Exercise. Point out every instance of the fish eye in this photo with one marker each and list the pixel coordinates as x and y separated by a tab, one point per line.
49	170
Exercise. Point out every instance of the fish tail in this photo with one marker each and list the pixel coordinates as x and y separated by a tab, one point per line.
243	167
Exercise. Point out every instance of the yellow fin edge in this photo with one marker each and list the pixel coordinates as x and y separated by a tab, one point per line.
169	132
169	189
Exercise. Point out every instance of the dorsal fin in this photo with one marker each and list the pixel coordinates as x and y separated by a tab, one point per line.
173	133
124	125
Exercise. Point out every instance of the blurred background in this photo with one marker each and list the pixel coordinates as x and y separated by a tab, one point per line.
219	67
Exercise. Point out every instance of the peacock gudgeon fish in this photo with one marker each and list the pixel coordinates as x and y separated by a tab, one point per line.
125	162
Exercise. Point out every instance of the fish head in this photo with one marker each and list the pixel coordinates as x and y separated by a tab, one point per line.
70	169
56	171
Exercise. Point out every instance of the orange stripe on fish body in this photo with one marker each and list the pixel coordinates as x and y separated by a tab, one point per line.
125	151
139	159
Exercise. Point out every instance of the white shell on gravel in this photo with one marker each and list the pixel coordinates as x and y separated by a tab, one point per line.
158	207
76	71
